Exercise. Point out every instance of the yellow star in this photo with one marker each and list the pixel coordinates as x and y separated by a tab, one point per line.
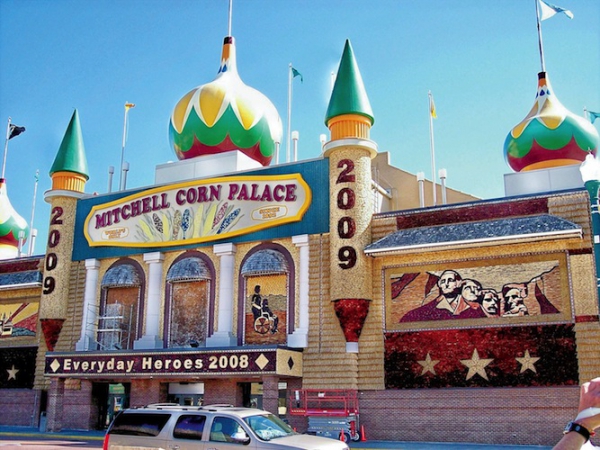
428	364
12	373
527	362
476	365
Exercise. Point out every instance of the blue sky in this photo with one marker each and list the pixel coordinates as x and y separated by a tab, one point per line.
479	58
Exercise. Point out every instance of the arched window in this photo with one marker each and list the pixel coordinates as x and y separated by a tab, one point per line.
121	305
266	299
189	300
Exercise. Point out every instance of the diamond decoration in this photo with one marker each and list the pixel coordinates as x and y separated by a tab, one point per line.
55	365
291	363
262	361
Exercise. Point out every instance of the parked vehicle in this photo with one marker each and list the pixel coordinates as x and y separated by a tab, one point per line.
214	427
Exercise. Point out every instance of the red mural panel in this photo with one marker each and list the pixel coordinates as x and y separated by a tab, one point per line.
487	357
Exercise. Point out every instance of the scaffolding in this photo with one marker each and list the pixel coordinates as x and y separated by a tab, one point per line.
114	328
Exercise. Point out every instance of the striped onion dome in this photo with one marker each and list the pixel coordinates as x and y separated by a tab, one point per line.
550	135
225	115
11	224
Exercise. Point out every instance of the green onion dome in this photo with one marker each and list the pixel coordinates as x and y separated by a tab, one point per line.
550	135
225	115
11	224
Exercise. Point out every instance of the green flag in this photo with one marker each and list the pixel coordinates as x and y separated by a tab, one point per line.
295	74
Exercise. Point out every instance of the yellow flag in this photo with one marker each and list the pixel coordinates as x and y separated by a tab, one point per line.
432	110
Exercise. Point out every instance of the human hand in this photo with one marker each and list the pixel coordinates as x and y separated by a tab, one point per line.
589	398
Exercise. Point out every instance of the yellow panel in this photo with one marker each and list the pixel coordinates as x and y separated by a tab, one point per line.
211	99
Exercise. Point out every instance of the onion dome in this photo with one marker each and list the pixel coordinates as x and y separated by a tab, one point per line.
225	115
550	135
11	224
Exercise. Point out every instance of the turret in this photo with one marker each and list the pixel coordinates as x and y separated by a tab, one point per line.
349	118
69	174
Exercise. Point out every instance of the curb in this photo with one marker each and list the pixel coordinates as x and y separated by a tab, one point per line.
67	435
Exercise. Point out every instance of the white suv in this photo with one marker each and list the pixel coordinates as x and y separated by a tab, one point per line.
212	427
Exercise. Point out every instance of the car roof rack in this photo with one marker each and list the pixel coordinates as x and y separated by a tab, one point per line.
185	407
159	405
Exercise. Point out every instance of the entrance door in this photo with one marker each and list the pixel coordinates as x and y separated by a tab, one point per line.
110	398
252	395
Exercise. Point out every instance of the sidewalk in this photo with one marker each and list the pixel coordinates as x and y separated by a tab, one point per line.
374	445
367	445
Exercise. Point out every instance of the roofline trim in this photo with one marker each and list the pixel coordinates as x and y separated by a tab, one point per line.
7	287
561	233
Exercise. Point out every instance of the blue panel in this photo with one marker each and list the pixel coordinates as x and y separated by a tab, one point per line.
315	221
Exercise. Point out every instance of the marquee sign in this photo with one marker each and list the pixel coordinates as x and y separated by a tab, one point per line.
198	211
278	361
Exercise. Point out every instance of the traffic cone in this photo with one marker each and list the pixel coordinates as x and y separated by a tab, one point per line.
342	437
363	437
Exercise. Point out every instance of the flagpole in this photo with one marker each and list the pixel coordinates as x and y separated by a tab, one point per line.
35	186
122	175
539	30
289	114
6	146
431	143
229	18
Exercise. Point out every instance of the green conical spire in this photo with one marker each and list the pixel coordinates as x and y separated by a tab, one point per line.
349	95
71	154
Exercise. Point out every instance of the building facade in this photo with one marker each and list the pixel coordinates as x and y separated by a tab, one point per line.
252	286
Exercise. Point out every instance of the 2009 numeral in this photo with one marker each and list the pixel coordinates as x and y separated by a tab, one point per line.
49	285
57	213
347	257
346	175
346	198
53	238
52	258
346	226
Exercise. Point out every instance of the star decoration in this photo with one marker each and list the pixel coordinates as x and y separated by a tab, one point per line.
428	364
12	373
527	362
476	365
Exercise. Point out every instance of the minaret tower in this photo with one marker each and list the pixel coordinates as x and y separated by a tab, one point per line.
350	151
69	173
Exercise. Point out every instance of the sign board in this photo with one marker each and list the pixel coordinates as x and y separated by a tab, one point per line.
198	211
176	362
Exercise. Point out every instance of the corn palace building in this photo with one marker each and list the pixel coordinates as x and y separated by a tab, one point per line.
235	281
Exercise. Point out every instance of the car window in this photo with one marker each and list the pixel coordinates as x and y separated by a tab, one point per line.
268	426
139	424
226	429
189	427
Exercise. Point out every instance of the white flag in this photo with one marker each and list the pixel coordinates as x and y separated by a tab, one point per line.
548	10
